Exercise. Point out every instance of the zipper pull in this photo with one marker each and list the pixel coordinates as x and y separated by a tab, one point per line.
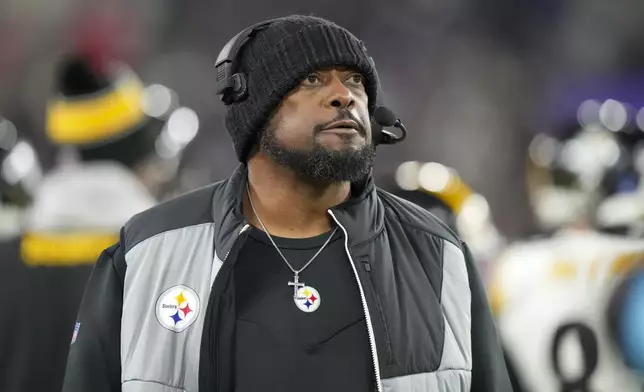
367	265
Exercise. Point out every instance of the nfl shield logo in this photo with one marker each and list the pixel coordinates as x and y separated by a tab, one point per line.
75	334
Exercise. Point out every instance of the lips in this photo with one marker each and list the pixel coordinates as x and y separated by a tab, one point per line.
344	124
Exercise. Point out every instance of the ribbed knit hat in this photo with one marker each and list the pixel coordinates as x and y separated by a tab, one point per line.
278	58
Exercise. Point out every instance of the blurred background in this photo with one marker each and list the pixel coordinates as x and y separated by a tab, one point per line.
525	119
467	78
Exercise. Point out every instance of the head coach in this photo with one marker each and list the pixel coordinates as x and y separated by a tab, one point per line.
296	273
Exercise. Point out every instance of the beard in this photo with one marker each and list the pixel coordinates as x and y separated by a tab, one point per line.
320	165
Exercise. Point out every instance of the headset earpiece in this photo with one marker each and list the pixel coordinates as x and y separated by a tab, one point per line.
237	90
231	85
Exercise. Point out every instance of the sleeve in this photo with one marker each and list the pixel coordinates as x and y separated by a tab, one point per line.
94	361
489	371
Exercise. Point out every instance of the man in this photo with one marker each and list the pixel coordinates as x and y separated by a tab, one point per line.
20	174
563	300
44	269
296	272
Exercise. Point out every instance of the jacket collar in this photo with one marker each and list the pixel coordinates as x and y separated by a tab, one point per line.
362	215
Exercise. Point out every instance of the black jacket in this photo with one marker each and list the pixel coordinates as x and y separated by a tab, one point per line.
427	314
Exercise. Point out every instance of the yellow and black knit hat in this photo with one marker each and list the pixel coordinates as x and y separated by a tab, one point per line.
101	115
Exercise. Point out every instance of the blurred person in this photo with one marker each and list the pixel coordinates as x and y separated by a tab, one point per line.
563	326
296	272
119	119
20	174
106	142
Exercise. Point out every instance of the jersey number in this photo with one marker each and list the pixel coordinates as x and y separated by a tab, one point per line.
590	353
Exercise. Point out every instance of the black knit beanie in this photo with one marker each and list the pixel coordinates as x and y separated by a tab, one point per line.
278	58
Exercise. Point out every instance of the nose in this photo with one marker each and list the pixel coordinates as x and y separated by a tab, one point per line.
340	97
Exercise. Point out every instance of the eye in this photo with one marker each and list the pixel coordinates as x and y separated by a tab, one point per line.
312	80
357	79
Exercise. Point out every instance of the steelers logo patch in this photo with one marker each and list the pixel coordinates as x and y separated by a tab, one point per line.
177	308
307	299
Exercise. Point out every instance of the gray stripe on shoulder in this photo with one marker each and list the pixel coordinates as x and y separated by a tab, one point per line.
159	269
190	209
449	380
456	299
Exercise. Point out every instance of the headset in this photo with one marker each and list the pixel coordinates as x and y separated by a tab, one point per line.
233	86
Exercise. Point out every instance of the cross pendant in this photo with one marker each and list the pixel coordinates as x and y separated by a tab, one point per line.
296	285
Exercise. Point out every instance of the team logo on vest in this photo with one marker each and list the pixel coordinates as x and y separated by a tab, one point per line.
307	299
177	308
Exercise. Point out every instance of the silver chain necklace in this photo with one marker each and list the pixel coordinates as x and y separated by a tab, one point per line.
296	273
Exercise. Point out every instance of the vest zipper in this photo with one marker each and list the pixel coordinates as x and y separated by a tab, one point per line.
236	244
372	337
383	320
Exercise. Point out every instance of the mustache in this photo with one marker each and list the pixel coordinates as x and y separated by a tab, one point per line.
343	114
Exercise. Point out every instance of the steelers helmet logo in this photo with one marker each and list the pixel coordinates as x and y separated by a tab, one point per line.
177	308
307	299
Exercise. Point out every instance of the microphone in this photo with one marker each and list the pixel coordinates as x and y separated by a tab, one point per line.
385	117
